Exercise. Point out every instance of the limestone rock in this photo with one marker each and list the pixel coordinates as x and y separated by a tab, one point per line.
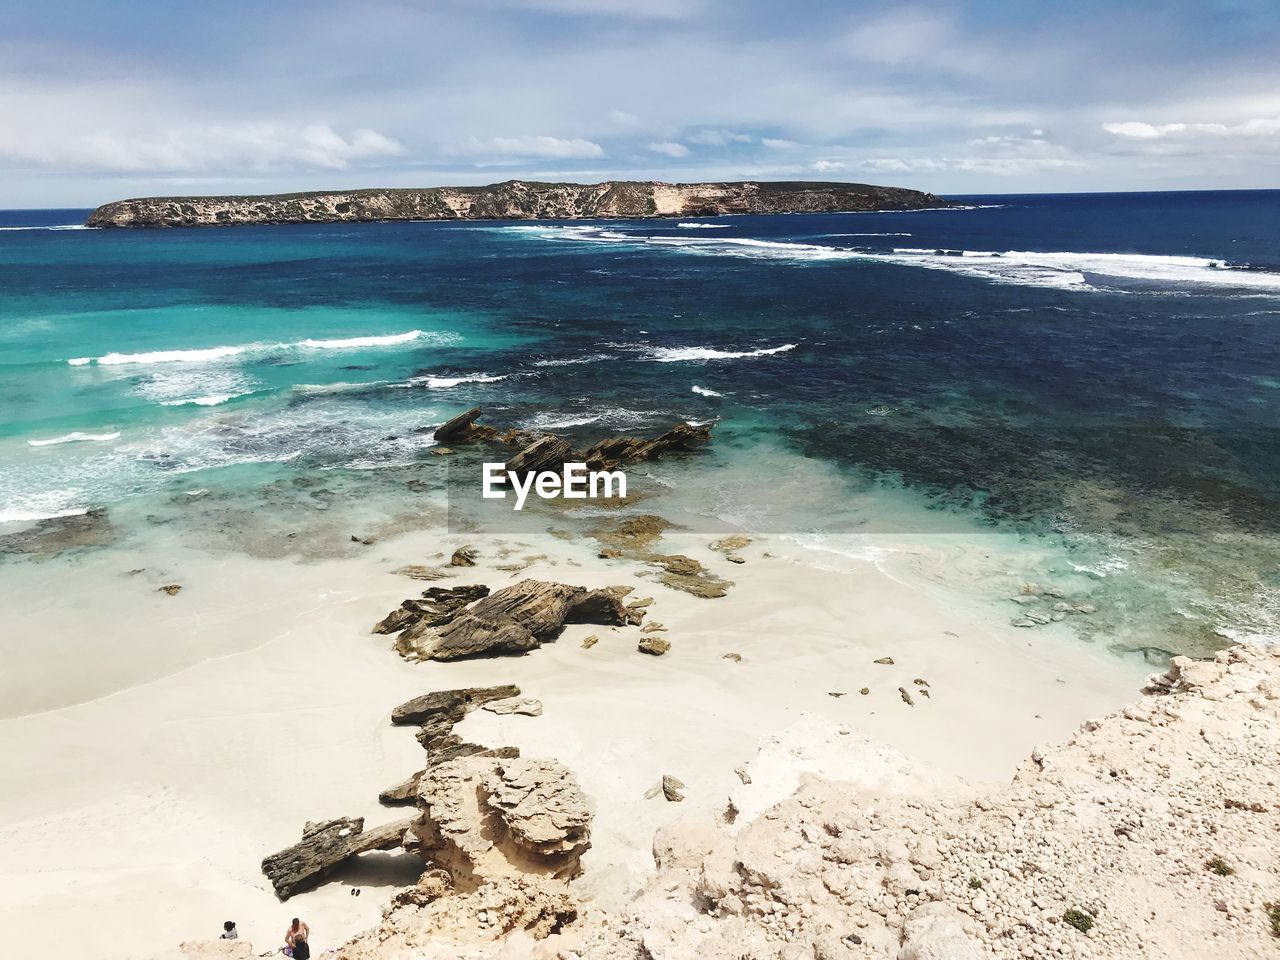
463	557
463	428
547	452
654	646
731	544
323	848
454	704
524	706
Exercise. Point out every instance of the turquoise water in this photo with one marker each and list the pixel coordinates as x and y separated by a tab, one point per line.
1090	382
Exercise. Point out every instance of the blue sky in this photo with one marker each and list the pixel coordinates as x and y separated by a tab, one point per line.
103	100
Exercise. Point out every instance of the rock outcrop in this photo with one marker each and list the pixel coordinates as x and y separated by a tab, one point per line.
324	847
513	200
449	624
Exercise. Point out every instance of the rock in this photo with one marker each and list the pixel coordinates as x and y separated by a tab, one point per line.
416	571
323	848
743	775
729	544
464	429
684	573
599	606
608	454
632	533
547	452
654	646
734	558
454	704
436	607
885	661
671	789
55	535
835	694
172	589
589	642
864	691
653	626
734	657
484	818
463	557
402	794
906	697
934	931
524	706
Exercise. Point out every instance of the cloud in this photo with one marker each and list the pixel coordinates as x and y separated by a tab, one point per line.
775	144
544	148
717	138
669	148
190	149
1137	130
829	166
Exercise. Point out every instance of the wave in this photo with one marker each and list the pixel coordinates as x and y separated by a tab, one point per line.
569	361
443	383
20	515
1067	269
864	234
676	354
215	354
76	436
704	392
210	400
702	226
350	343
55	226
1080	271
165	356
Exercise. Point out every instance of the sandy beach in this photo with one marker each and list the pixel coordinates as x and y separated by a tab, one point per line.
200	731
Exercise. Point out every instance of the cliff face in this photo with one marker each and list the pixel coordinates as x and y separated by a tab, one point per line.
513	200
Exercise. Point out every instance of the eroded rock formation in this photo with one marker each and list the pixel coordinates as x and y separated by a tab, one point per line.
513	200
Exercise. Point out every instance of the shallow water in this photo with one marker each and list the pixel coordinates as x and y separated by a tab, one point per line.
1078	390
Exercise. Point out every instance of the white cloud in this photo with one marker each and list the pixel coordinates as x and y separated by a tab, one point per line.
252	146
717	138
539	147
775	144
1137	130
669	148
829	166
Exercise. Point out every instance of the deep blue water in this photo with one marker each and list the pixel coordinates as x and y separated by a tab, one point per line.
1103	368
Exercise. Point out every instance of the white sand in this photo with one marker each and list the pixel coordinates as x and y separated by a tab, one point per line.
182	738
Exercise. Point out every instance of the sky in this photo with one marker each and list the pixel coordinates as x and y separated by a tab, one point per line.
103	100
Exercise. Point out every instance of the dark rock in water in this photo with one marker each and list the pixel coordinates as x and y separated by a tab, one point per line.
323	848
464	429
633	533
547	452
450	702
464	557
615	451
57	534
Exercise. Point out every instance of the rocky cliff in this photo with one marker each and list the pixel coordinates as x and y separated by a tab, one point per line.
513	200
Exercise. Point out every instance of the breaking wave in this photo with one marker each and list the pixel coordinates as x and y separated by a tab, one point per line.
676	354
214	354
75	436
704	392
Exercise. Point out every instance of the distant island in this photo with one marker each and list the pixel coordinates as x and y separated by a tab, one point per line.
514	200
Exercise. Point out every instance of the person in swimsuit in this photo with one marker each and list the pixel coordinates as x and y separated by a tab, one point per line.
296	937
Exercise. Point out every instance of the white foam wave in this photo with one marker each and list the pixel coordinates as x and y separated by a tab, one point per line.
216	354
74	437
210	400
169	356
703	391
55	226
675	354
590	358
544	421
444	383
350	343
702	226
1062	270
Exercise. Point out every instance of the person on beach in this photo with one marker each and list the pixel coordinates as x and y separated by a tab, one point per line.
229	931
296	938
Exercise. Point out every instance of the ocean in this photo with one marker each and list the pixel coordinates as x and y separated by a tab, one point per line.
1077	389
